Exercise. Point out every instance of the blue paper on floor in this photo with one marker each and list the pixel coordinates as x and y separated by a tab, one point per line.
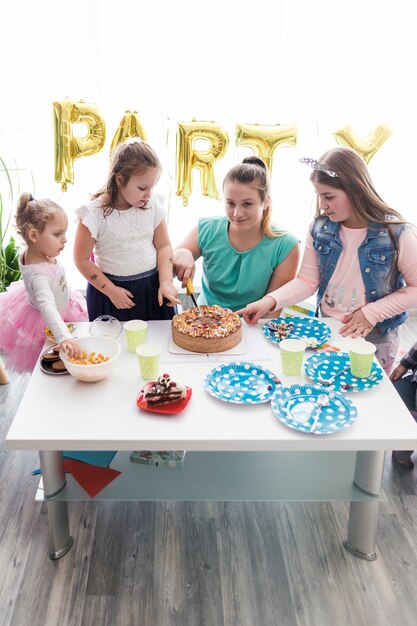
97	457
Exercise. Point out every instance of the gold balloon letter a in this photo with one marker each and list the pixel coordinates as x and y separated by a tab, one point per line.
366	146
264	139
130	126
67	147
188	157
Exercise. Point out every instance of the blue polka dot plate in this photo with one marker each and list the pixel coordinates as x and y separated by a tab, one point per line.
309	328
241	383
332	368
297	407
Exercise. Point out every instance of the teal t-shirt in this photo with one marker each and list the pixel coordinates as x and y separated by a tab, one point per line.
231	278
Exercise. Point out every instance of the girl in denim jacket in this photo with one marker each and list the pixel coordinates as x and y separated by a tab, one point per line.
360	257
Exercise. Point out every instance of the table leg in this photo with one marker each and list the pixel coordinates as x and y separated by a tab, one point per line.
363	516
53	473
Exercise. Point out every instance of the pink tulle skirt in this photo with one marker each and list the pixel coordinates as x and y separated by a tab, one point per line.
22	326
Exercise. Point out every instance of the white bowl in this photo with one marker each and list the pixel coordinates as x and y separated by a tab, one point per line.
92	373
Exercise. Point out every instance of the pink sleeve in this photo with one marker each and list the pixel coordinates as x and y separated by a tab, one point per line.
306	282
405	298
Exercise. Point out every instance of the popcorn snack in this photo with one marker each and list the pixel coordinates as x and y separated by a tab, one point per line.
90	359
207	329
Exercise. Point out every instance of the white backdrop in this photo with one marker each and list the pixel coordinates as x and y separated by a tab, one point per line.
321	65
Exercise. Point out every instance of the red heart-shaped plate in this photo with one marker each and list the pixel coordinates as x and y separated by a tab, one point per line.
167	409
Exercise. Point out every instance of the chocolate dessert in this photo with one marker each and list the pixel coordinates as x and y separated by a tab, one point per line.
164	391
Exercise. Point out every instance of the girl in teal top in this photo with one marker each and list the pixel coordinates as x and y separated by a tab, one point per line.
243	254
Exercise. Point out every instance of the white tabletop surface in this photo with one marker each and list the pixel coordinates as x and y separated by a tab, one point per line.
61	413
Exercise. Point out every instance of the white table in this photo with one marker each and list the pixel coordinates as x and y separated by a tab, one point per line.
61	413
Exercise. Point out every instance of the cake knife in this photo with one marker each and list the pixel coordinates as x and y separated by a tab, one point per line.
190	292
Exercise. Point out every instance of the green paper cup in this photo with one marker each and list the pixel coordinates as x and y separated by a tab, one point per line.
361	354
292	353
136	333
149	355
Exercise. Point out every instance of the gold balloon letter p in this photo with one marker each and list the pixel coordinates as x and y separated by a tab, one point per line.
67	147
188	157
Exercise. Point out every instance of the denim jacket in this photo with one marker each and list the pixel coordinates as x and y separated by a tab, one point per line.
376	256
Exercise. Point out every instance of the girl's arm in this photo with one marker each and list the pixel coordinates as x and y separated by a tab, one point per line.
185	255
165	265
408	362
284	273
362	321
45	301
301	287
83	247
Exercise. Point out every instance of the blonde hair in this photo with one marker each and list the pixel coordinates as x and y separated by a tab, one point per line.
33	213
127	159
253	171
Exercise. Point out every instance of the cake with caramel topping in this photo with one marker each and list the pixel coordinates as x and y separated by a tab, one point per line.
207	329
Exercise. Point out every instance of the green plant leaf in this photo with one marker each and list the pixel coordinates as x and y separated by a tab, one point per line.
9	252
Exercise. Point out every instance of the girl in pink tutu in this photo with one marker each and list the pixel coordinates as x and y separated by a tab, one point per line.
42	297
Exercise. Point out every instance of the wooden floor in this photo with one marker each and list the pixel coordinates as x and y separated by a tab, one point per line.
201	564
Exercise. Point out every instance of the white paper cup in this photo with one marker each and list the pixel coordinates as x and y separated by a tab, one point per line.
361	353
292	353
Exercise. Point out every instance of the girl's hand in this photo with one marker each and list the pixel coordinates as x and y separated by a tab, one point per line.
184	265
122	298
398	373
168	291
71	347
355	324
255	310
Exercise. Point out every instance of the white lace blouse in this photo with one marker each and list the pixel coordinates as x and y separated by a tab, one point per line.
124	239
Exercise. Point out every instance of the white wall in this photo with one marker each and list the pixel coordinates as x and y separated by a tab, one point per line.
322	65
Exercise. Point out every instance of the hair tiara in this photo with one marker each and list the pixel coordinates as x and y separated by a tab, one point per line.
315	165
131	140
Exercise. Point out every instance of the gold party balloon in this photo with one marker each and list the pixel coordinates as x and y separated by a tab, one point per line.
189	158
366	146
264	139
129	127
67	147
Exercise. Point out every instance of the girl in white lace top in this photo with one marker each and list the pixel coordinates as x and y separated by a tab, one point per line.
42	297
122	245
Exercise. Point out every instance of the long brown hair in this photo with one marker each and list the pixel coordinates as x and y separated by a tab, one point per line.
127	159
253	171
352	177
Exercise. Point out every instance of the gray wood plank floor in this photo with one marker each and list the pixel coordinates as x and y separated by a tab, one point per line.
195	564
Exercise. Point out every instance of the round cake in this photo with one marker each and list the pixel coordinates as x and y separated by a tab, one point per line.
207	329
